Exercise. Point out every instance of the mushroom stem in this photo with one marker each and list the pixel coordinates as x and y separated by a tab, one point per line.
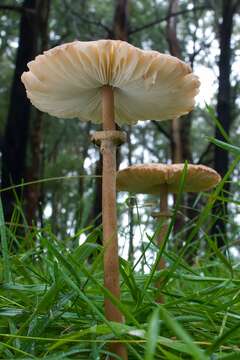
164	216
109	215
108	108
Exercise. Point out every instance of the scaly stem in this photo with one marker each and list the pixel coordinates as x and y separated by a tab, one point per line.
109	215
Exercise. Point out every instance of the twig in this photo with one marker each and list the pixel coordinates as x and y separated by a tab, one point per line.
165	18
205	152
87	20
162	130
16	8
11	8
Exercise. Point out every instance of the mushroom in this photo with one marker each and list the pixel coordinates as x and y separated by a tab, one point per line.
109	82
160	179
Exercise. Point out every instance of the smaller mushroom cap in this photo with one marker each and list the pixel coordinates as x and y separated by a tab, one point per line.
155	178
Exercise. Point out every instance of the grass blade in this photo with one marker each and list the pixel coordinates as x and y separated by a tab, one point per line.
152	335
5	254
172	324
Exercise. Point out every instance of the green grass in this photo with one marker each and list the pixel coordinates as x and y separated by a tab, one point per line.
51	297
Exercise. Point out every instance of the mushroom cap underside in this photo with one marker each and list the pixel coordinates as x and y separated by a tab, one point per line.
66	82
155	178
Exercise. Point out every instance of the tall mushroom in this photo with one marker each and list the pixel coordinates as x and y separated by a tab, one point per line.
108	82
160	179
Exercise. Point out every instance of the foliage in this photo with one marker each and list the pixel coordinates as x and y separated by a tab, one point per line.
51	296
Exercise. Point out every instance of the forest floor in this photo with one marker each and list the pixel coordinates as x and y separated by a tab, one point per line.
52	293
51	300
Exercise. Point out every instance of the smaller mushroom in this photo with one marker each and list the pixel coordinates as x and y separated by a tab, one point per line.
160	179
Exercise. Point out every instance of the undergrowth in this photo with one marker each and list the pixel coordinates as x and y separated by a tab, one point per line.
52	293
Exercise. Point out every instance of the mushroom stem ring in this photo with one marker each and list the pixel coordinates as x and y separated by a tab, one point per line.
116	137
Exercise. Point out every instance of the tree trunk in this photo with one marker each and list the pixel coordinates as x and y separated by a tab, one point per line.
17	125
221	158
81	182
180	128
175	50
181	145
32	194
131	204
96	214
120	20
120	32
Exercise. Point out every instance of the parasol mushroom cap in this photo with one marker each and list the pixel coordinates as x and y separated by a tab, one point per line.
156	178
66	82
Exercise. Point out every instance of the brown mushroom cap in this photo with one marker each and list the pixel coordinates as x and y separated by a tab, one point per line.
66	82
154	178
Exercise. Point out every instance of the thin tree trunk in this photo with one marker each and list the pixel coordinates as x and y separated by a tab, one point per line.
97	208
32	195
120	32
175	50
131	203
55	213
180	144
120	20
81	181
17	125
42	194
221	158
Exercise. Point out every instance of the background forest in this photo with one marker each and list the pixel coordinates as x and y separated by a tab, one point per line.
51	191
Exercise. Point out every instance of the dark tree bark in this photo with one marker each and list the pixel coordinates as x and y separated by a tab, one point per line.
95	217
120	32
180	128
97	203
81	182
120	21
17	125
131	204
221	158
173	42
32	194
